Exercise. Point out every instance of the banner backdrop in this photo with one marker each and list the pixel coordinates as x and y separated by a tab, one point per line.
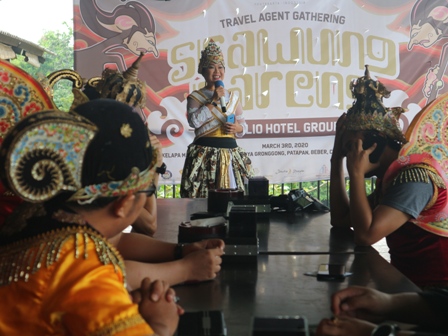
290	61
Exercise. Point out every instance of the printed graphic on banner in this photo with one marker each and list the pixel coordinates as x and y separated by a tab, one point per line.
291	63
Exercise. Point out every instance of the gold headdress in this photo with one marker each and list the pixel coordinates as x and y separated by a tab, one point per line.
212	54
124	87
43	154
78	84
120	159
368	112
102	150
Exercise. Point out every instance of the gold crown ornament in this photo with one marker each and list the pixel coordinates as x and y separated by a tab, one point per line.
368	112
212	54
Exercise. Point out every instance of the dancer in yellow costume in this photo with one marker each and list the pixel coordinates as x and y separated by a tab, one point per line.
88	178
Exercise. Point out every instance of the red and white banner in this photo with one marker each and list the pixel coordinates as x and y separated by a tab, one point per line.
290	61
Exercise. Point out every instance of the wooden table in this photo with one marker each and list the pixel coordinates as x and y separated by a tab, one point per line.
281	232
274	283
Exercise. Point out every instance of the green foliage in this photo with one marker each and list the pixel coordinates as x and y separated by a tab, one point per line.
169	191
61	44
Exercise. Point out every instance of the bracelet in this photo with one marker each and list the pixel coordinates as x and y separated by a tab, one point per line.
386	329
161	169
178	251
212	102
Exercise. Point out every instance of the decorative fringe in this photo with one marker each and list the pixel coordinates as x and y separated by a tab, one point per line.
18	261
419	173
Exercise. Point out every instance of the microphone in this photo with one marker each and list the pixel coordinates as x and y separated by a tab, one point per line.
222	99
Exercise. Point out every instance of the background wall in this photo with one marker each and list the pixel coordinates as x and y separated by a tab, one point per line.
290	61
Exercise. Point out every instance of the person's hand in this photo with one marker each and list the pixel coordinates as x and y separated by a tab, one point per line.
358	159
219	92
232	128
203	244
157	147
361	302
344	326
203	264
157	291
156	304
338	151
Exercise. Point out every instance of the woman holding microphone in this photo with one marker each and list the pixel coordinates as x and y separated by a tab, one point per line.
214	160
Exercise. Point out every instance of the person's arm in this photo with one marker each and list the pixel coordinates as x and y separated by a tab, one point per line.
344	326
198	114
240	121
173	272
434	316
201	265
354	327
401	201
146	223
361	215
139	247
339	202
373	305
369	226
196	264
149	257
412	308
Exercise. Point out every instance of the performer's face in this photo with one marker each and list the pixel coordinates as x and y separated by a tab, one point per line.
214	72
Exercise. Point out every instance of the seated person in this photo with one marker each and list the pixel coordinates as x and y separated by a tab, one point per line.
355	306
127	88
86	178
409	205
